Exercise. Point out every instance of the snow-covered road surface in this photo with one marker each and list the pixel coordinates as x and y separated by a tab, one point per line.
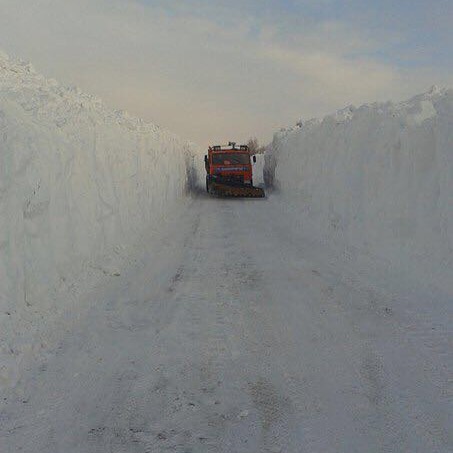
231	334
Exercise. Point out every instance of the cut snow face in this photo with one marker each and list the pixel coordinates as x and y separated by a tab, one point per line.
77	179
378	178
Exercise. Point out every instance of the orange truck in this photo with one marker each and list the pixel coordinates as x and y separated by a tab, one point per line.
229	171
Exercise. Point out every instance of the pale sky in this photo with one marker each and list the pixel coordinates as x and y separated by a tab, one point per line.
214	71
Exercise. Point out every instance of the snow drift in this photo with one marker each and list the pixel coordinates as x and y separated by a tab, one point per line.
377	178
77	181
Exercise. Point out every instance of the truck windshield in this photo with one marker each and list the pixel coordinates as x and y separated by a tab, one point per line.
230	158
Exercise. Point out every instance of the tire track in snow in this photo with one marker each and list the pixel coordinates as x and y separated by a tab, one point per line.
231	335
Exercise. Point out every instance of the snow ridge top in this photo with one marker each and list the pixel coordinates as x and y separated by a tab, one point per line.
48	100
413	111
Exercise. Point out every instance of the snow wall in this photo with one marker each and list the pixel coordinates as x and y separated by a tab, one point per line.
77	182
378	178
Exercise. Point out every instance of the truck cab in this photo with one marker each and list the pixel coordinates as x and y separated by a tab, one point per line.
230	165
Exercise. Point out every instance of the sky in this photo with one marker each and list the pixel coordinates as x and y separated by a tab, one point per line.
216	70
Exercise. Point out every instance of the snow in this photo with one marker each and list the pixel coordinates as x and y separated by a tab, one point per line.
378	178
138	316
78	182
231	332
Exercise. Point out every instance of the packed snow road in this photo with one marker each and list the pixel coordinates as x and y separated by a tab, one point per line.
230	334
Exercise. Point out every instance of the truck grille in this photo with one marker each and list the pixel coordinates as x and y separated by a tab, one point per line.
231	179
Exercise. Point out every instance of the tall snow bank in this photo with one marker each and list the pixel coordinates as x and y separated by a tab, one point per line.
76	181
378	177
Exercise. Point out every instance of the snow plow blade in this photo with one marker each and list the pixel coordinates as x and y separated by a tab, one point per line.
225	190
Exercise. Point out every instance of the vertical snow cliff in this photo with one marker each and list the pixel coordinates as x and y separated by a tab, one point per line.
76	181
378	178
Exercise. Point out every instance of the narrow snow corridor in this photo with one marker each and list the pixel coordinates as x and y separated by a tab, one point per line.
230	334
